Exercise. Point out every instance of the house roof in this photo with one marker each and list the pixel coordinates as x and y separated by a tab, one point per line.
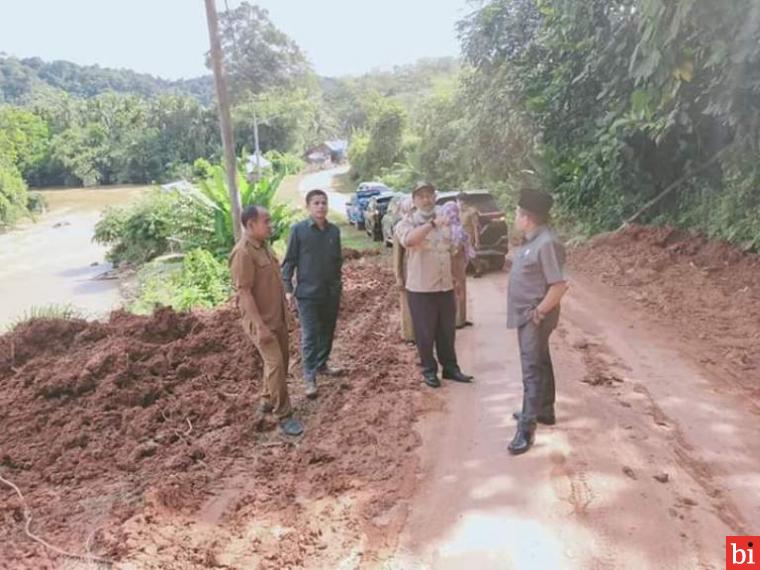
338	145
251	162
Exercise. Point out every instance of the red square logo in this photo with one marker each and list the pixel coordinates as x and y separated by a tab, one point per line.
742	553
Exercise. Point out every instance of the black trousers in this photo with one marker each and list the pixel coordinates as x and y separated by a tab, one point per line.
434	322
318	319
537	371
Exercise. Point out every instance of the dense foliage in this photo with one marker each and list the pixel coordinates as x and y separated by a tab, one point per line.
181	220
31	80
611	103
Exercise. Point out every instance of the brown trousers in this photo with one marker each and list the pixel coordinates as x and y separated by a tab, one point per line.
407	328
459	273
399	268
276	357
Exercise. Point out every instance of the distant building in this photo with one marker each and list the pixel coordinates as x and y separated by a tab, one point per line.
327	152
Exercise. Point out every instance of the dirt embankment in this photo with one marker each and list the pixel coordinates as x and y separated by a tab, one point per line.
708	291
137	439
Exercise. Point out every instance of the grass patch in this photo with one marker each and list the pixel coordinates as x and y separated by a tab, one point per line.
352	238
342	183
52	311
288	191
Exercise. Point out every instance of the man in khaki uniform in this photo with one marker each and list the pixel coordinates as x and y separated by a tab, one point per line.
261	301
426	237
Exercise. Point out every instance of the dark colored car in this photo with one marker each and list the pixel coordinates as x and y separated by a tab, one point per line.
358	204
373	215
494	234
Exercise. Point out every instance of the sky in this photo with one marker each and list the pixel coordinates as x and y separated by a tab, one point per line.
168	38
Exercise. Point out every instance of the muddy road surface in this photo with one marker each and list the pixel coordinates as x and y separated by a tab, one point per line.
656	455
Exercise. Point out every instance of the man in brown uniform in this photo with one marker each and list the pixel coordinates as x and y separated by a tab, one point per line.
261	300
471	224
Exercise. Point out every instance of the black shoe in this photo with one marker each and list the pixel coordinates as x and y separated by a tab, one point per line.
523	439
457	376
431	379
265	407
548	420
291	426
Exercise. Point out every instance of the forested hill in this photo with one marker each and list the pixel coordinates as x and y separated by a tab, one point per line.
26	80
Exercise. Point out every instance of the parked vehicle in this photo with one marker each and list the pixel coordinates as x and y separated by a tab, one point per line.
494	234
358	204
391	218
373	215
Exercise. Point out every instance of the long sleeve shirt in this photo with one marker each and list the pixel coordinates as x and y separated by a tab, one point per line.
315	259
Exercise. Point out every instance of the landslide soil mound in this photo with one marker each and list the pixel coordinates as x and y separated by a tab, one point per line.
709	290
144	417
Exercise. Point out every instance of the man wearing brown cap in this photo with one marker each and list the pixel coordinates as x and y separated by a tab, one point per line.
537	284
426	236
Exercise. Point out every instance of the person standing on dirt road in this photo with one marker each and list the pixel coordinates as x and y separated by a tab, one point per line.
399	269
315	257
261	301
427	239
463	254
471	224
537	284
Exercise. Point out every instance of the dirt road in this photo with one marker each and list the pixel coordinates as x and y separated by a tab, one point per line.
632	409
324	180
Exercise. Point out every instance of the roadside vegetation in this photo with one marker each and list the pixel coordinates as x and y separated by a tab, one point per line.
43	312
179	239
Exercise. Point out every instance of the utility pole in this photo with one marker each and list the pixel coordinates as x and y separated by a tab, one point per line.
225	122
256	143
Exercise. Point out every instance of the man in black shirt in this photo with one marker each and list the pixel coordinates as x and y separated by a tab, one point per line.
314	256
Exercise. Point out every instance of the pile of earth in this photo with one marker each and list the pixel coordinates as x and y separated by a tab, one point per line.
124	436
709	290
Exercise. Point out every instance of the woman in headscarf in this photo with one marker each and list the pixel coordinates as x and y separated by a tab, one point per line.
399	265
461	256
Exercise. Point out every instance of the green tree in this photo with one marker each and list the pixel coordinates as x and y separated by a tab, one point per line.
13	195
26	139
258	56
382	144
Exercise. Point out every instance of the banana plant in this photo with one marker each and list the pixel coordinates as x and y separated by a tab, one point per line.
212	193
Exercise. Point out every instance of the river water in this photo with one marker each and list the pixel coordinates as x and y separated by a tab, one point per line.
54	261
